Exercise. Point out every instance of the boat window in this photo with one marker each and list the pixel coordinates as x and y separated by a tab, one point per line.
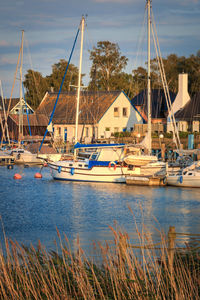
86	166
70	165
80	165
93	156
190	173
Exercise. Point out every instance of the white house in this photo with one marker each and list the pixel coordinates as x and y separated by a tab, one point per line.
101	114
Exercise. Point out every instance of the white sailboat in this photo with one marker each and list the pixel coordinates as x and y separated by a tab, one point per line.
93	162
21	155
144	168
187	177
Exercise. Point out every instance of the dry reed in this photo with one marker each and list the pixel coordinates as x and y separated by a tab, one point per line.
34	273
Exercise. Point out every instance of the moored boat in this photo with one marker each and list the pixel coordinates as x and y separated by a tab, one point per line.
94	163
188	177
141	165
23	156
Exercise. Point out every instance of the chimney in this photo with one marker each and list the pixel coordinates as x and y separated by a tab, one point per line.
183	89
182	97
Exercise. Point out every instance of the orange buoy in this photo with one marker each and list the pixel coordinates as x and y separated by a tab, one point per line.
17	176
38	175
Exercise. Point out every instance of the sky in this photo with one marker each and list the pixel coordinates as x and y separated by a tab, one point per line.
50	27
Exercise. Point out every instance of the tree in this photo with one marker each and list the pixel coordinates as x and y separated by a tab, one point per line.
58	70
36	86
107	65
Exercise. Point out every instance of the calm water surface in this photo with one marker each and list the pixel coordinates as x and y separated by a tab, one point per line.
31	209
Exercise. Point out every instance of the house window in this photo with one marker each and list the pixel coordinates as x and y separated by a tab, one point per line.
131	129
116	129
59	130
116	111
125	112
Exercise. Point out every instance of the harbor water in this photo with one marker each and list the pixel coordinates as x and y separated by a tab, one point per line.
32	209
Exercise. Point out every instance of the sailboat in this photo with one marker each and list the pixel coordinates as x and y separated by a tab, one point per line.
187	177
92	162
21	155
145	169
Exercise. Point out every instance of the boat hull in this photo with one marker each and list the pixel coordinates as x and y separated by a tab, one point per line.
76	172
25	158
184	181
146	180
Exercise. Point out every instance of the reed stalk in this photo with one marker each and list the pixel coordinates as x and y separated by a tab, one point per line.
125	272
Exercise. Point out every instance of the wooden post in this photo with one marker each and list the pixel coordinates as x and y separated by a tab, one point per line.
171	247
163	151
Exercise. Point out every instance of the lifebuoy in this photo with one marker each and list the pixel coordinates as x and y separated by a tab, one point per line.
112	164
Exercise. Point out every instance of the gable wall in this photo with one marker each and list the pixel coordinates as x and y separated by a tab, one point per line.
118	123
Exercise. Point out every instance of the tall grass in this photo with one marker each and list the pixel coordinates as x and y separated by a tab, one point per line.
34	273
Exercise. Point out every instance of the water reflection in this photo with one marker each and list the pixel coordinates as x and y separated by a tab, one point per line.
32	209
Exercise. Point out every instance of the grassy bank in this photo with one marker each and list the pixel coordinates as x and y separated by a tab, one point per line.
33	273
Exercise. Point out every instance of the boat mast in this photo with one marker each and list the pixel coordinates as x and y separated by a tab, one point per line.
149	75
79	79
5	118
21	97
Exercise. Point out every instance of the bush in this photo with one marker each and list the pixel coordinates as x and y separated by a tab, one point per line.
122	134
183	134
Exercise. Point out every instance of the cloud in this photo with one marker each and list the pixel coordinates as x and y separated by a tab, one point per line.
113	1
7	60
3	43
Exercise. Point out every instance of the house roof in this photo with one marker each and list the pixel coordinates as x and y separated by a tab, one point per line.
13	102
34	119
92	106
158	102
191	110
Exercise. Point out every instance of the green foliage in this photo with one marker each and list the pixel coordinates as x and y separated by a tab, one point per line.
58	70
122	134
36	85
107	66
168	135
183	134
107	74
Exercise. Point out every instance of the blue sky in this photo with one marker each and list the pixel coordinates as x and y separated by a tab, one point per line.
50	27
